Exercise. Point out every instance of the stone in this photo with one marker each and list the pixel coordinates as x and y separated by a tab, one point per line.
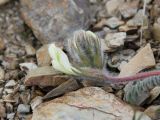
10	116
86	104
129	9
156	31
138	20
22	108
45	76
11	83
112	6
154	93
30	50
3	2
55	20
114	22
35	102
2	110
115	40
153	112
43	57
2	73
27	66
125	28
143	59
2	44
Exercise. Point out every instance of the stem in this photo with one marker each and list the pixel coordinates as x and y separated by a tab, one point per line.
103	75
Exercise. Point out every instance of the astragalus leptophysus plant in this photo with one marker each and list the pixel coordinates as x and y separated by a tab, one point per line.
87	55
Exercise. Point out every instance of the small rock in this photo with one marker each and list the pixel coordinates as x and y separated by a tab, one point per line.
153	112
156	31
10	116
113	5
2	110
114	40
35	102
114	22
143	59
2	73
125	28
100	24
44	76
154	93
129	9
43	57
3	1
22	108
9	98
138	20
11	83
8	90
30	50
2	44
27	66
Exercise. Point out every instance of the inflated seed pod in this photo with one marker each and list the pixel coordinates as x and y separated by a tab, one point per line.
85	49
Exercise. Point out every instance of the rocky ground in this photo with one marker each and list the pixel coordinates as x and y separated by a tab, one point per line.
129	30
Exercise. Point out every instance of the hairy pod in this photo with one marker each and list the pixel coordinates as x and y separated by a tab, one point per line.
85	49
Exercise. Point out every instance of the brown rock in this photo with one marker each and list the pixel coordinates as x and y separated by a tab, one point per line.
44	76
55	20
115	40
113	5
143	59
129	9
3	1
85	104
153	112
2	44
30	50
2	110
43	57
156	31
138	20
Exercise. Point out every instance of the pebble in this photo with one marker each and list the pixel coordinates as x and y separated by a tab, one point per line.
11	83
113	5
114	22
2	111
138	20
129	9
35	102
30	50
2	44
3	1
10	116
156	31
43	57
27	66
2	73
22	108
114	40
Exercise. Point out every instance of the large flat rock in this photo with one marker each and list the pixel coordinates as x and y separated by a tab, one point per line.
55	20
90	103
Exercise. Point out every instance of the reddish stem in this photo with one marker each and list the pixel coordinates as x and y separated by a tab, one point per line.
103	75
131	78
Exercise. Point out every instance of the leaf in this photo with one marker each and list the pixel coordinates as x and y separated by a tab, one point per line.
137	92
60	61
